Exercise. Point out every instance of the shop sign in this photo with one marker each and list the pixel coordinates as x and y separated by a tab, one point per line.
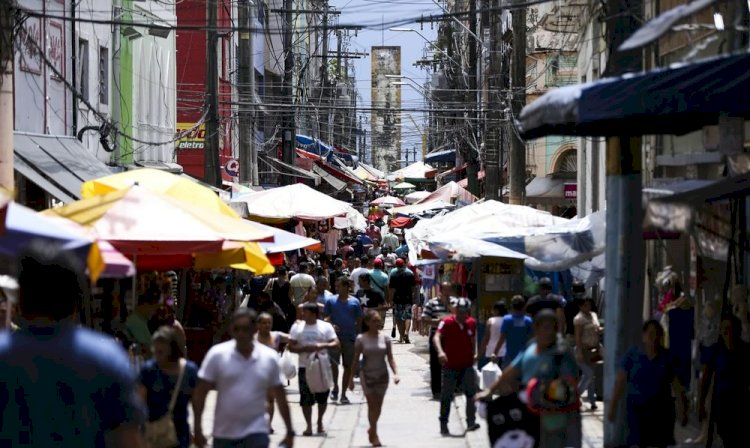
232	167
571	192
195	139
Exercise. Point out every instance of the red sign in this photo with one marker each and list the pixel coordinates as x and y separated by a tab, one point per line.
571	192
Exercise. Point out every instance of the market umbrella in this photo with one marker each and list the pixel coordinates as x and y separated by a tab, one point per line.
159	181
416	196
404	186
388	200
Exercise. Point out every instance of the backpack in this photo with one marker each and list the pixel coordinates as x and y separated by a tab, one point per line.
554	387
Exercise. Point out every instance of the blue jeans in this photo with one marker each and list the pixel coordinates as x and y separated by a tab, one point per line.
587	382
467	377
249	441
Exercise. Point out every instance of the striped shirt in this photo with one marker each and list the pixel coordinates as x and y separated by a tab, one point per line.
434	309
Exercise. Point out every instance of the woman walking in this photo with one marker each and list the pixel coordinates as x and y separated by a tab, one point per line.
376	350
488	347
274	340
167	382
587	331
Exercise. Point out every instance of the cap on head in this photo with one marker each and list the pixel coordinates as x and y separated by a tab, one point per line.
545	282
461	303
378	263
400	262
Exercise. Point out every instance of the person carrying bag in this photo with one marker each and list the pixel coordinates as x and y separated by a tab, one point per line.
161	433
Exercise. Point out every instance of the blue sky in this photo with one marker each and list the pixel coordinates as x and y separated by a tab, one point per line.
372	14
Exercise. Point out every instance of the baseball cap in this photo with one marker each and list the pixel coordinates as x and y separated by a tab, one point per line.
378	263
461	303
399	262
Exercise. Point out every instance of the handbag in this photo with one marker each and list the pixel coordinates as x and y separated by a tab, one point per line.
318	373
161	433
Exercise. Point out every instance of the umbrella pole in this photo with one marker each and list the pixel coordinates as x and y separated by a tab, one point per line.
135	283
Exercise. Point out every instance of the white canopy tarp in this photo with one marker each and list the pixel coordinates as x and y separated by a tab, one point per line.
414	197
298	201
416	209
417	170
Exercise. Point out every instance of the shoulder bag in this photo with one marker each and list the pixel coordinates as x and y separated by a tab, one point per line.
161	433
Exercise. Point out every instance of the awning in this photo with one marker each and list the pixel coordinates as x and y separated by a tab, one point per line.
57	164
465	182
290	170
675	100
546	190
337	184
444	156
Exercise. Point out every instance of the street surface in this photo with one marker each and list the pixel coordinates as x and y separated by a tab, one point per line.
410	416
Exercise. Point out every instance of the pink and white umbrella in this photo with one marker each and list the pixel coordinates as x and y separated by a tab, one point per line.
388	200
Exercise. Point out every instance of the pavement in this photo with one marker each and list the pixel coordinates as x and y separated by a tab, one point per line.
409	418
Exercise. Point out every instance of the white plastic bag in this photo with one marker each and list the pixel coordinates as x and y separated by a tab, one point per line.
286	363
490	372
318	374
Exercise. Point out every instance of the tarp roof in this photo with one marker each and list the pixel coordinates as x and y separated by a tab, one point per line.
450	193
674	100
417	170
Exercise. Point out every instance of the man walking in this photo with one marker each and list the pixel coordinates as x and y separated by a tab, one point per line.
60	384
434	312
244	374
547	300
300	283
379	278
401	290
515	332
309	336
455	341
345	314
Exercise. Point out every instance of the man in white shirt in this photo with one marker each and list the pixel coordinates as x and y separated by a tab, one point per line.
361	269
301	283
308	337
244	374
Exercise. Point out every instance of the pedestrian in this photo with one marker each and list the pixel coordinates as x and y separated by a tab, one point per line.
378	277
515	332
401	289
276	341
54	372
549	362
243	373
359	269
308	336
646	376
281	294
371	299
268	306
167	382
136	325
727	362
375	349
434	312
165	316
588	333
301	282
311	297
321	286
345	314
455	341
492	332
546	299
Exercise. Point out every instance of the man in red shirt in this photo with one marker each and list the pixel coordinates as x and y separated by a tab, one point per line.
454	342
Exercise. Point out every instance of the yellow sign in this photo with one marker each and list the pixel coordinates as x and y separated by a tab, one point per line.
195	139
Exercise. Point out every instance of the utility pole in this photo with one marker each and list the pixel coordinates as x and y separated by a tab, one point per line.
492	129
246	74
211	154
325	125
116	100
472	161
6	96
625	246
517	171
288	134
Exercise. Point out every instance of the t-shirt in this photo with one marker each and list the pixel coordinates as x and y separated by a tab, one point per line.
306	334
242	386
344	315
402	281
137	328
530	363
494	325
517	329
589	329
370	298
435	309
649	380
390	241
159	388
732	381
51	377
300	284
457	340
379	280
538	303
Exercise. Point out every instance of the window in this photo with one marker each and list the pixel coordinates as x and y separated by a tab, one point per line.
83	69
103	75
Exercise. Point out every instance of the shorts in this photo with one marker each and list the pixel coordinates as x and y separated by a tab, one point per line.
249	441
345	353
402	312
306	397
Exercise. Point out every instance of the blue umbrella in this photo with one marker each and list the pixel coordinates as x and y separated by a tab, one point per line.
24	225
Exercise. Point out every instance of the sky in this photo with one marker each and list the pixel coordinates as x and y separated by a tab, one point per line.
378	16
